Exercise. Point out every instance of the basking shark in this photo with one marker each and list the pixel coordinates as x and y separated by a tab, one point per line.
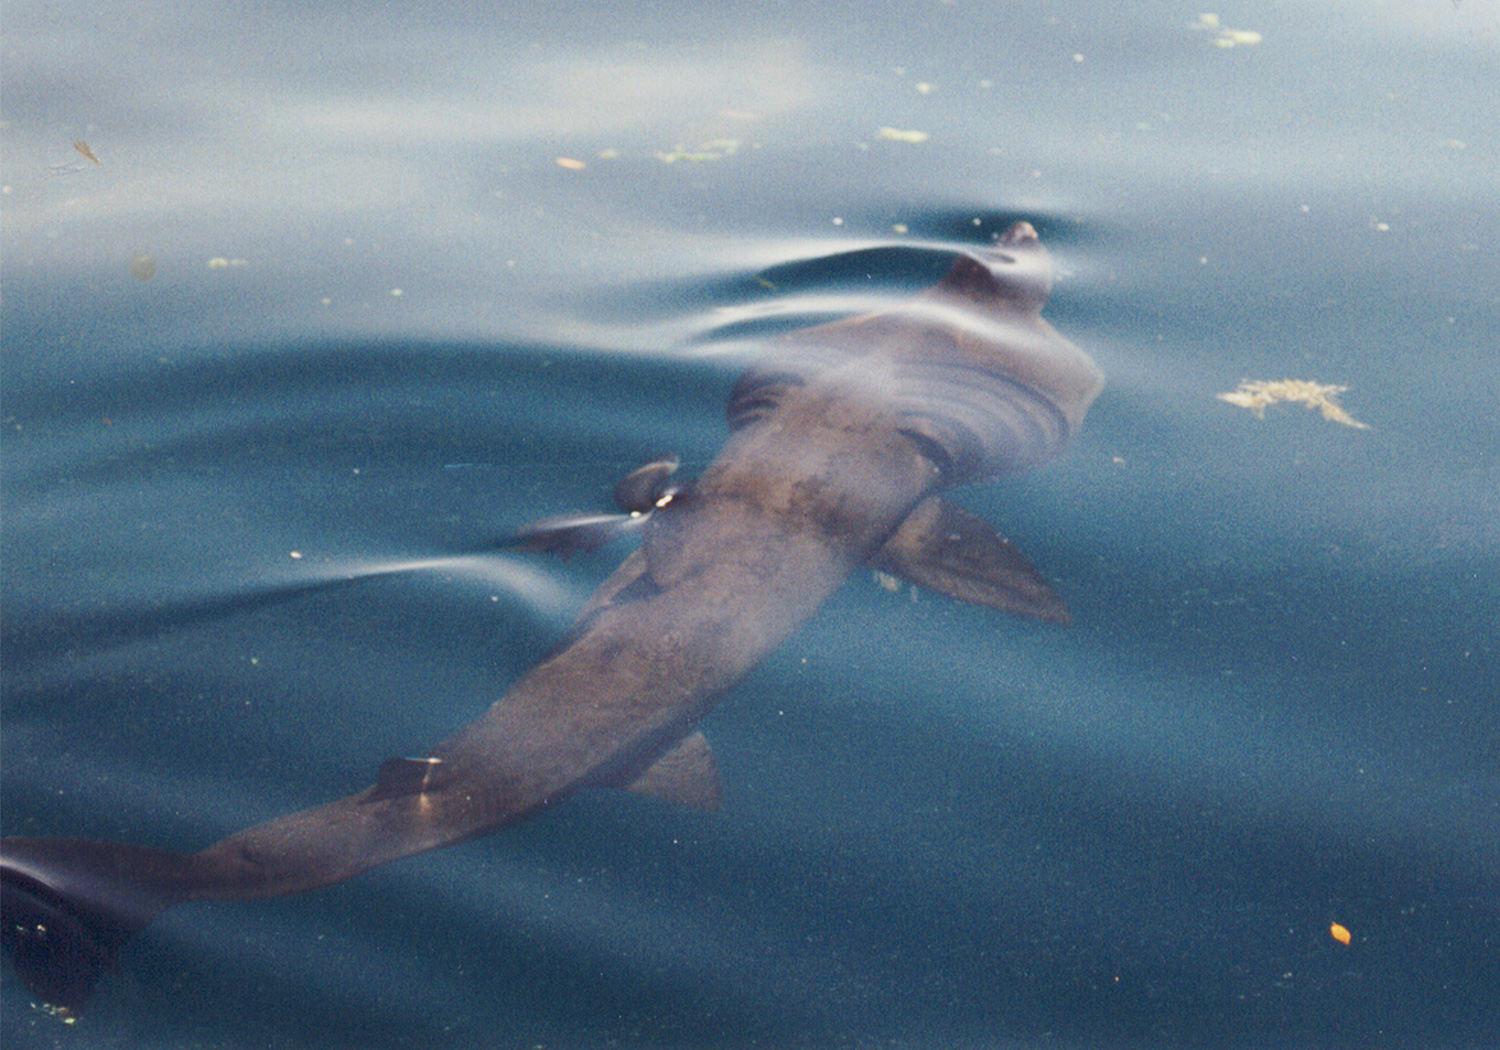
841	440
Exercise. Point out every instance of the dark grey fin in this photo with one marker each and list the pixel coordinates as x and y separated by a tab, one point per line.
944	548
638	491
687	775
399	777
67	906
574	532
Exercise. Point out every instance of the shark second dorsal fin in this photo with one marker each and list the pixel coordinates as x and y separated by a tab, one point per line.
944	548
399	777
687	775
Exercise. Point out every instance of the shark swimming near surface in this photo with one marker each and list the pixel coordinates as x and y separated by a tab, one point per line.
842	438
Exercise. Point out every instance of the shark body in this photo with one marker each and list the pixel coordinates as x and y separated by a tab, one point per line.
841	441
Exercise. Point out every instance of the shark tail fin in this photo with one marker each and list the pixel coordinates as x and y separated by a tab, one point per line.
944	548
68	905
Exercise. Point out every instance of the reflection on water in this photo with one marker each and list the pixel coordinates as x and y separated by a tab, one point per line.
1274	711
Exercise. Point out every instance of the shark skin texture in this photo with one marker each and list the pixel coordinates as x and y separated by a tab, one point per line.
841	440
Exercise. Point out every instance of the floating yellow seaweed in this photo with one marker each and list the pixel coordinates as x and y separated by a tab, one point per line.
1224	36
142	266
1256	394
901	135
1340	933
714	149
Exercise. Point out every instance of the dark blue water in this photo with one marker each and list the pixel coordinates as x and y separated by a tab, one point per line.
383	325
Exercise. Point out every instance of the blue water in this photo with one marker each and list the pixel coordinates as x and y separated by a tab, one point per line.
383	326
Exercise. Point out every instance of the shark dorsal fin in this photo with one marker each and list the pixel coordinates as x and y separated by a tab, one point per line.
639	491
687	775
944	548
644	490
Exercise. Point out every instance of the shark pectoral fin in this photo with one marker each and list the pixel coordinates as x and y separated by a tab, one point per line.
399	777
687	774
944	548
68	905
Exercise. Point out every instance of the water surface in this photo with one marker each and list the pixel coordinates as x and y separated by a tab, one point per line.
417	279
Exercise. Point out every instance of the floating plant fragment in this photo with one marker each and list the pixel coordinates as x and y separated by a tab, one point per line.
714	149
1256	394
1222	35
901	135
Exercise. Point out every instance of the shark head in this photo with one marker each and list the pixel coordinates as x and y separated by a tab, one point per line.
1015	270
983	373
977	378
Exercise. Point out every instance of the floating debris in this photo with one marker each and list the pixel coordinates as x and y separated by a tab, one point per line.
1224	36
1256	394
142	267
1340	933
219	262
714	149
62	1013
83	150
898	135
571	163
